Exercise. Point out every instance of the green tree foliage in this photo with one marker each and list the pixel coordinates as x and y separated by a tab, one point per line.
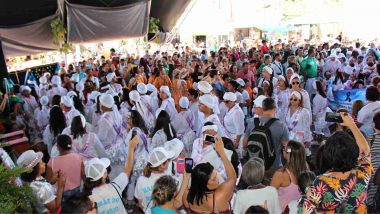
13	199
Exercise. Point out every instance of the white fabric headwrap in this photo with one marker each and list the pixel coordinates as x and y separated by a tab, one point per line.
44	100
106	100
204	87
166	89
229	96
210	127
141	88
296	94
184	102
110	76
56	80
135	96
294	76
67	101
207	100
268	69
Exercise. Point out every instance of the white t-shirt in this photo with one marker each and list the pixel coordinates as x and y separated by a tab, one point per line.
365	116
106	197
144	189
257	197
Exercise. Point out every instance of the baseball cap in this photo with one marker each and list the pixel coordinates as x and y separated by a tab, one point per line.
95	168
159	155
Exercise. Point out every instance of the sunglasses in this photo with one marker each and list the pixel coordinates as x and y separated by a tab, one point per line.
285	149
294	99
295	83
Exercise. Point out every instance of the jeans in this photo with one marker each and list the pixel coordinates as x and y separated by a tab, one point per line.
67	194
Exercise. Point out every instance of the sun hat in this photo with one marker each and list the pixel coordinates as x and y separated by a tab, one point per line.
29	159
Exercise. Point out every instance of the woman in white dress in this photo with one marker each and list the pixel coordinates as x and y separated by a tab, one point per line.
57	123
42	114
111	135
85	142
282	92
167	102
298	119
184	124
136	126
163	130
320	105
295	85
141	108
207	107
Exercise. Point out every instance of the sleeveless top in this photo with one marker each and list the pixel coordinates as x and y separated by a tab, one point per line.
228	211
289	193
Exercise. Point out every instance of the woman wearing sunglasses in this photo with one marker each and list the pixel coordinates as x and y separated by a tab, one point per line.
298	119
295	85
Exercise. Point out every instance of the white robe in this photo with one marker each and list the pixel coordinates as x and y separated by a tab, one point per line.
282	102
320	106
299	125
233	122
184	123
70	115
169	106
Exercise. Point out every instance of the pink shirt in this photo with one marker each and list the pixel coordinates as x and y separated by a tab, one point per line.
70	165
249	76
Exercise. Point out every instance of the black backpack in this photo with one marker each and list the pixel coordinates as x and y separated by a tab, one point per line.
260	142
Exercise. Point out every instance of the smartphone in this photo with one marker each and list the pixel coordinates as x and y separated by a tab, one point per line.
189	165
180	165
209	138
333	117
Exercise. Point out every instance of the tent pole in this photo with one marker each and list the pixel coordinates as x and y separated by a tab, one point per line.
3	65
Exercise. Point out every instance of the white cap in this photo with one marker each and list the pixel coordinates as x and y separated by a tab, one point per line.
56	80
240	82
204	87
184	102
29	159
95	168
338	50
134	96
43	80
159	155
44	100
207	100
258	102
106	100
110	76
294	76
141	88
268	69
79	87
348	53
67	101
25	88
175	145
166	90
229	96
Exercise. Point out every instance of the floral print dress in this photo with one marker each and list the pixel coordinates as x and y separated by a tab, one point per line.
329	194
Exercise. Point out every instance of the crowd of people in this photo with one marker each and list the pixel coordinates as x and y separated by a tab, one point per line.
116	135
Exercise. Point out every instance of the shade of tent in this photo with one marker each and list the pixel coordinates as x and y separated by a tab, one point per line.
25	25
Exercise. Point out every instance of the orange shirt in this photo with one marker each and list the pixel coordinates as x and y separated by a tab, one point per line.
162	80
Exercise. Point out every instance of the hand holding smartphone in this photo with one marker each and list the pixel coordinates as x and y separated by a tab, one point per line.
189	165
209	138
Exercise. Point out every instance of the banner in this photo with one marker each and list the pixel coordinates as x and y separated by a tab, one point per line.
345	98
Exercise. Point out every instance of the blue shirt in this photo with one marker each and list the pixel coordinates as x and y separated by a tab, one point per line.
160	210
